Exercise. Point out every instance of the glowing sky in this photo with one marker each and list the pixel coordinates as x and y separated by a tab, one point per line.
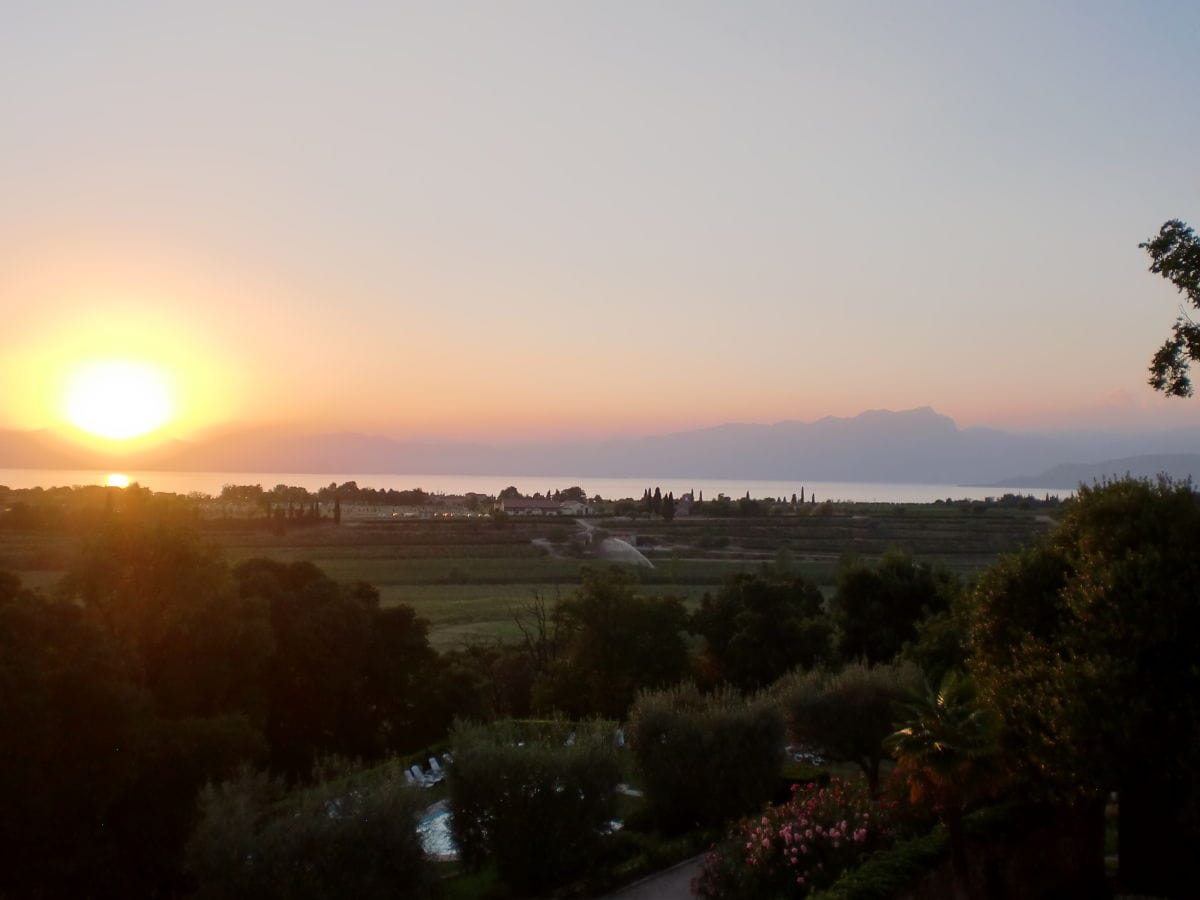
502	219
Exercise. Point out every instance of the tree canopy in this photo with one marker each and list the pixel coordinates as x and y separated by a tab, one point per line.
756	628
1175	255
876	607
612	642
1087	646
346	676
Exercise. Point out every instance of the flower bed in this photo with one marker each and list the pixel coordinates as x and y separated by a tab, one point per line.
798	846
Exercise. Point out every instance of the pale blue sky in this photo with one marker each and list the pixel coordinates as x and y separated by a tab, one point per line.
482	219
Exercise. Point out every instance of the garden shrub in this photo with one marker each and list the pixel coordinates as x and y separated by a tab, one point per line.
797	847
890	871
533	798
354	837
704	759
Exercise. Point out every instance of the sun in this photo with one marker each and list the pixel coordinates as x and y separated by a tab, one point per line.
118	399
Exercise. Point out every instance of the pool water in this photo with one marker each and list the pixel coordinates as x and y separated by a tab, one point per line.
436	838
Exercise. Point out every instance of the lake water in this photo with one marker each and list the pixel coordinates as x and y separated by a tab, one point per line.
608	488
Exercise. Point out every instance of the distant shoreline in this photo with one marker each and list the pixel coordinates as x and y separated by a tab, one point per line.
608	488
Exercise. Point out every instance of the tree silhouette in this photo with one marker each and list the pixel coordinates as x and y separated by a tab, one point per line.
1175	255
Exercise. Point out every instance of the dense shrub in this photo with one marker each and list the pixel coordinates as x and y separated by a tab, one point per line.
353	837
890	871
796	847
536	797
704	759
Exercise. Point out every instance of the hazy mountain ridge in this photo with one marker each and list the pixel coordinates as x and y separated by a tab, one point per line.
916	446
1178	466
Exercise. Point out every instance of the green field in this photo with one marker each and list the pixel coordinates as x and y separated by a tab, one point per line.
467	576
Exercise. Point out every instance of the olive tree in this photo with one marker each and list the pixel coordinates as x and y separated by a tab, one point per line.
535	797
705	758
848	714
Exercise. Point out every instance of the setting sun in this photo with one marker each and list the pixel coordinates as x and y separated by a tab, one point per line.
118	399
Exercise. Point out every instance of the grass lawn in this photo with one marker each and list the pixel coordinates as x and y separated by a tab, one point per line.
470	613
464	613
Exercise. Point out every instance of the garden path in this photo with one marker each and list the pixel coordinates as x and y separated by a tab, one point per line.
674	883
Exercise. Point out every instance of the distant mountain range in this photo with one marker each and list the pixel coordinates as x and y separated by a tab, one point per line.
912	446
1178	466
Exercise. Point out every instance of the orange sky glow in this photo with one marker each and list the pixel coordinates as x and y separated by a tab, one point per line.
551	223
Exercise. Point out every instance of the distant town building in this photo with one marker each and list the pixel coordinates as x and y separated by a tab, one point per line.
522	506
537	506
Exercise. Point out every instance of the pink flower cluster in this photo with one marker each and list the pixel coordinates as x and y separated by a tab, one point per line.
797	846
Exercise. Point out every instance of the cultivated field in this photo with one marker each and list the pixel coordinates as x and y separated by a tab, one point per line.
466	575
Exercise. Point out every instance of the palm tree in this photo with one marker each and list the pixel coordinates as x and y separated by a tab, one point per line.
947	750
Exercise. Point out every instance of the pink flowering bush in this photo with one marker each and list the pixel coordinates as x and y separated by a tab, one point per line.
796	847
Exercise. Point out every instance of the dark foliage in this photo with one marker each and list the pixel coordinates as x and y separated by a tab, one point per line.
890	871
757	628
876	607
611	643
1087	646
534	797
156	670
72	730
351	837
346	676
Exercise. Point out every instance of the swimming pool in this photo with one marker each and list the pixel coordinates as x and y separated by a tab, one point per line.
436	838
